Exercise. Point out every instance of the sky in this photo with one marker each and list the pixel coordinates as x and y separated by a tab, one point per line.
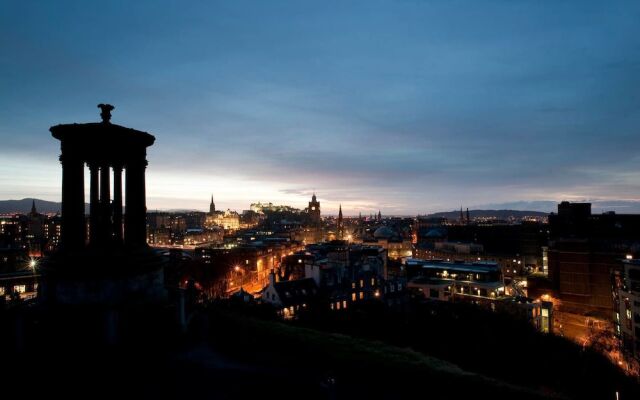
401	106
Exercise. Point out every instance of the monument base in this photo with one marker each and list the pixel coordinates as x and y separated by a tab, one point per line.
109	278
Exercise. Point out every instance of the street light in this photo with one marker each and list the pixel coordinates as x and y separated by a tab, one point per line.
238	270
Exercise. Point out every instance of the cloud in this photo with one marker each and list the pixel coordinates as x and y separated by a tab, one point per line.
407	107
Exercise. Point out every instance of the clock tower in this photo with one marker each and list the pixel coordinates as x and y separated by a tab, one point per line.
314	210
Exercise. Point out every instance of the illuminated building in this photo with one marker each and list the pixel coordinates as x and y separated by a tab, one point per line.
345	275
270	207
289	297
627	305
446	281
396	246
19	285
256	258
34	232
228	220
479	283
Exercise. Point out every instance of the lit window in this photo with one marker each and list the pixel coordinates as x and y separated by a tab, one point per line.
353	297
361	295
373	281
1	290
19	288
344	304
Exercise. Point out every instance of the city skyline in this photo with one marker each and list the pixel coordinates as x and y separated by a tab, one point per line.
408	108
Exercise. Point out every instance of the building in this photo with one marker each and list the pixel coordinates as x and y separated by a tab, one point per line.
583	251
459	248
314	211
247	263
289	297
37	233
345	275
18	285
396	245
627	306
479	282
228	220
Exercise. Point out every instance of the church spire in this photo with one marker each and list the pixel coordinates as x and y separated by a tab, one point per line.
33	207
212	206
340	223
379	216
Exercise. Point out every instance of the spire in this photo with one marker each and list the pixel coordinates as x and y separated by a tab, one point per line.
468	216
33	207
379	216
212	206
340	224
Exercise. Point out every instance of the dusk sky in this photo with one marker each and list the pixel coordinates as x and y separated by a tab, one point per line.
407	106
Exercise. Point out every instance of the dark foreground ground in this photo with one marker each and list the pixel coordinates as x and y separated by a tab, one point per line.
230	354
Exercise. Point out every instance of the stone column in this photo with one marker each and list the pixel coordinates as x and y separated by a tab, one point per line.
117	203
135	226
94	220
105	204
73	223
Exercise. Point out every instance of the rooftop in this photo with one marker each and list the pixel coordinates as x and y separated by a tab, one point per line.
479	266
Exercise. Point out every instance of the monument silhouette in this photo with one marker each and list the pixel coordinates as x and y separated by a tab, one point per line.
111	268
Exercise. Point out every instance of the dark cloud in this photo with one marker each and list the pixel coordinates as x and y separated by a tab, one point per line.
409	106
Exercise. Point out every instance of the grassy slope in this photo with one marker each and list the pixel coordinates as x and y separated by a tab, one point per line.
360	367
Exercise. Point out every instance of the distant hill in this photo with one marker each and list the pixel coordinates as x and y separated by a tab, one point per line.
24	206
497	214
